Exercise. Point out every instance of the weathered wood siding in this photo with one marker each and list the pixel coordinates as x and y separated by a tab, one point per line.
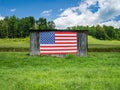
34	43
82	43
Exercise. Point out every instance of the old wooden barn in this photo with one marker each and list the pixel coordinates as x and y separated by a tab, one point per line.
58	42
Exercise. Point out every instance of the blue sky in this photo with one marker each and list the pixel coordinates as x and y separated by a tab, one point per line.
65	13
36	8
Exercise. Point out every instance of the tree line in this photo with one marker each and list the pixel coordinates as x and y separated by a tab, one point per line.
14	27
100	32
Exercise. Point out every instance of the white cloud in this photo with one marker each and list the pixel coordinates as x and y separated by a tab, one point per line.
13	10
61	9
112	23
46	12
81	15
1	17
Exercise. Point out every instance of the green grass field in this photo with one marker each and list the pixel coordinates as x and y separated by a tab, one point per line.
97	71
15	43
95	43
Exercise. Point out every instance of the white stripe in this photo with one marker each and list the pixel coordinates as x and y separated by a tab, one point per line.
55	48
58	44
67	51
65	35
65	38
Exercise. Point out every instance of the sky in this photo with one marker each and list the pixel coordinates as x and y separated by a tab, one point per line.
65	13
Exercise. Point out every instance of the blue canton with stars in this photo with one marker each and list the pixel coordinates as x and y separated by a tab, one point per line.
47	38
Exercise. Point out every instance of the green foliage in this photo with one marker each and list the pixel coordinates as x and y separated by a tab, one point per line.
50	25
42	24
97	71
100	32
13	27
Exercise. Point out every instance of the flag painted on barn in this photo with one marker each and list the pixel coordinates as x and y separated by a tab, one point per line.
58	42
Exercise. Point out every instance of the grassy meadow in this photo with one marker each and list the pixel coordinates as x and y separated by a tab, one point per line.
15	43
95	43
97	71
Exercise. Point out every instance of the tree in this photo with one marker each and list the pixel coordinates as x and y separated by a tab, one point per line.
42	23
1	29
25	24
100	33
31	21
50	25
92	31
110	31
117	34
12	26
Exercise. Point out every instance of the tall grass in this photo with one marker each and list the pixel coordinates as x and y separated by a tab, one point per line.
15	43
97	71
95	43
92	40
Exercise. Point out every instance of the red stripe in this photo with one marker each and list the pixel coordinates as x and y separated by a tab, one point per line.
65	32
56	46
65	38
60	45
55	53
66	43
58	53
55	50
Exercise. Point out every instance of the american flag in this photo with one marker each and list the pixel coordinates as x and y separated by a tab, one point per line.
56	42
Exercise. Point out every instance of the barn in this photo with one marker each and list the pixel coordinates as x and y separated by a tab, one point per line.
58	42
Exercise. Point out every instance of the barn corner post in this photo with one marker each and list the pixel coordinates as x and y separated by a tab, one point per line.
82	43
34	42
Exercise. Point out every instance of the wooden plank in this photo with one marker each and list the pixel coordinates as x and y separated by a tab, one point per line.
34	43
83	43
